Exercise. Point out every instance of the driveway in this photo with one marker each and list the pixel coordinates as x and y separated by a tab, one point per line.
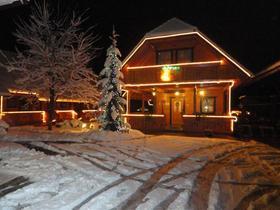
154	172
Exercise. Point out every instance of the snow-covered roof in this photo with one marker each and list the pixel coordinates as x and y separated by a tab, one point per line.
172	26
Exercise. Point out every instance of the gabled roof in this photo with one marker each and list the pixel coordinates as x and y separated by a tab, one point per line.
176	27
172	26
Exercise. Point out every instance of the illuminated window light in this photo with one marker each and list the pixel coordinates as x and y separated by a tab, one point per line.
184	34
174	65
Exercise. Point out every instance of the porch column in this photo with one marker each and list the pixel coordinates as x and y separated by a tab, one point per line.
194	100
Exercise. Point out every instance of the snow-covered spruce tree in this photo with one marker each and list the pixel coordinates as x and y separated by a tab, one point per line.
56	57
111	102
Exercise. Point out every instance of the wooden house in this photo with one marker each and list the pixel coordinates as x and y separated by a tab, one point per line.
176	78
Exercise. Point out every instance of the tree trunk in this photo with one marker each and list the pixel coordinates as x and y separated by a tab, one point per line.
51	108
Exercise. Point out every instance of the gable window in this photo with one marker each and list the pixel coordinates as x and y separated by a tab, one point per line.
175	56
208	105
184	55
164	57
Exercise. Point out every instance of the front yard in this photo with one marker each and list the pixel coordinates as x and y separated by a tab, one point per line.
76	171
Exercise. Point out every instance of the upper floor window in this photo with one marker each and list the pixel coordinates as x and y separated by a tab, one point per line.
175	56
164	57
184	55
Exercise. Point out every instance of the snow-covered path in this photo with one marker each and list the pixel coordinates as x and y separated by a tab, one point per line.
153	172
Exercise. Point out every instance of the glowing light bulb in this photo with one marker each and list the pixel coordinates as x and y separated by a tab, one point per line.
177	93
202	93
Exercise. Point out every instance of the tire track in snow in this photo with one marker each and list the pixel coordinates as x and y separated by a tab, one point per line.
108	187
200	194
137	197
253	196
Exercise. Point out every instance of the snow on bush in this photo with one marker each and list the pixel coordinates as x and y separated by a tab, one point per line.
3	127
115	136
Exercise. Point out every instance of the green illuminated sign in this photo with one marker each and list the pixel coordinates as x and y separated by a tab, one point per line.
173	68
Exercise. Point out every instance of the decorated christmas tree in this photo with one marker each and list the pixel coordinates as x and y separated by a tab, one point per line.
111	102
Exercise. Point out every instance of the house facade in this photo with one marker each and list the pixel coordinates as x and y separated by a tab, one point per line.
176	78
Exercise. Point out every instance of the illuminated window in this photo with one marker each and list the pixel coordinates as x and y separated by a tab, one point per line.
149	106
208	105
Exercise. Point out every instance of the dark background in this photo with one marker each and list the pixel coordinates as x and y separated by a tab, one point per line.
246	29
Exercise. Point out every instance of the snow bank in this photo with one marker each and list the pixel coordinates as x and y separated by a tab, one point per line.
115	136
3	127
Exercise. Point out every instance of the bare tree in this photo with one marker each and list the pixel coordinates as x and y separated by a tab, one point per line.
56	57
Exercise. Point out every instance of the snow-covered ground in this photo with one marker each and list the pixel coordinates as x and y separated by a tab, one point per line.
62	170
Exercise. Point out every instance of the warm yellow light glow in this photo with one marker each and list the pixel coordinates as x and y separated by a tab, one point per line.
65	111
236	112
22	112
165	75
231	126
233	118
44	119
143	115
89	110
127	103
184	34
202	93
14	91
154	93
64	100
179	83
174	64
84	125
229	98
1	107
177	93
21	92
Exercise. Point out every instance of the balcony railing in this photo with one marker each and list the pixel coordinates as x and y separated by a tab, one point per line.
192	71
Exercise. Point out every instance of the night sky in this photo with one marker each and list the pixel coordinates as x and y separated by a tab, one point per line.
247	30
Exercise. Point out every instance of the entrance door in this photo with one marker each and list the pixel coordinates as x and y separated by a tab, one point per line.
176	111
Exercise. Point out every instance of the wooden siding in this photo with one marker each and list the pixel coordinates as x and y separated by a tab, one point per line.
146	123
201	124
23	119
202	51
